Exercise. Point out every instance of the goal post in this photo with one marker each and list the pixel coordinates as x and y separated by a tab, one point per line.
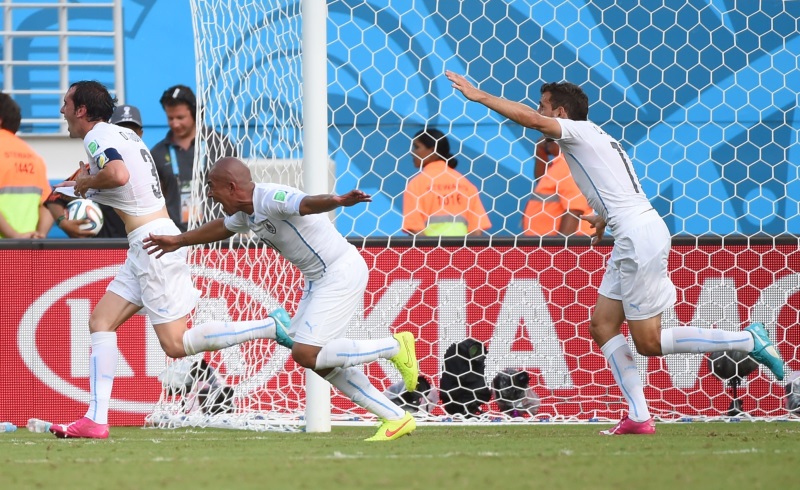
315	157
700	97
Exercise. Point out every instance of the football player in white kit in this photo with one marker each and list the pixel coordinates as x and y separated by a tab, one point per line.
636	286
121	174
294	225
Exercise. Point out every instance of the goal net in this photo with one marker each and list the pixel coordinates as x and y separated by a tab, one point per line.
701	97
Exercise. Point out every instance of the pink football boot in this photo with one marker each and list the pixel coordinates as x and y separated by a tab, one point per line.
628	426
82	428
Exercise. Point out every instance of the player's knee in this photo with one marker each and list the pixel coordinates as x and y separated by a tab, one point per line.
599	331
173	349
593	330
304	357
98	324
648	347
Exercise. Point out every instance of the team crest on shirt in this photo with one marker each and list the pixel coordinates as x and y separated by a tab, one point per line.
269	226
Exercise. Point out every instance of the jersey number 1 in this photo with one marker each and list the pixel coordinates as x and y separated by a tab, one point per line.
627	164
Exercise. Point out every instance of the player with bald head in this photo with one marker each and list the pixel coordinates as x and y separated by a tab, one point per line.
293	223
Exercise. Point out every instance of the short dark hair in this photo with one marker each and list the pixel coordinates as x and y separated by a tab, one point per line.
569	96
433	138
96	98
177	95
9	113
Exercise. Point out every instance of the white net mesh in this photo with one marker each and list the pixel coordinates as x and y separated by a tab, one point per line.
702	99
249	87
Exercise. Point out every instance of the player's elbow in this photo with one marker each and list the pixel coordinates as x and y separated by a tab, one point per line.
548	126
122	177
528	117
118	175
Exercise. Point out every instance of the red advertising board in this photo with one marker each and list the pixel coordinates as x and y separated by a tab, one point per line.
530	305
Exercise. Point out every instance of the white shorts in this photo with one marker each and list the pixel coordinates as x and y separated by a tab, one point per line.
162	287
328	304
636	273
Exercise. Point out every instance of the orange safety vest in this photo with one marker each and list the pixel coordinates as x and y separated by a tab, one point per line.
554	194
439	201
23	183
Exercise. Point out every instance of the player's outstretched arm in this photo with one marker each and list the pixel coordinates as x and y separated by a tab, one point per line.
211	232
322	203
516	111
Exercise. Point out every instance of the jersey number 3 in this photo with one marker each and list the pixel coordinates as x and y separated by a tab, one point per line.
157	186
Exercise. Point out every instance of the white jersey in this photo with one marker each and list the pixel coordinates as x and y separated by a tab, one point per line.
141	195
310	242
603	173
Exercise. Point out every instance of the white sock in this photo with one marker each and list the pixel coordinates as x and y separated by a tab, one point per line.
219	335
357	387
620	360
102	367
348	352
698	340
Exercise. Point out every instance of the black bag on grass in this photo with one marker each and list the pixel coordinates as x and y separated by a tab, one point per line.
463	388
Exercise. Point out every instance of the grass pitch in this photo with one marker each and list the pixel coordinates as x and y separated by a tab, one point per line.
683	456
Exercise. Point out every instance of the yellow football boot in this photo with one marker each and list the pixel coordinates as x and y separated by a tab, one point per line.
394	429
406	360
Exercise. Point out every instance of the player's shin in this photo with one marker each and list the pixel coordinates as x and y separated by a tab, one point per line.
348	352
102	366
623	367
216	335
699	340
354	384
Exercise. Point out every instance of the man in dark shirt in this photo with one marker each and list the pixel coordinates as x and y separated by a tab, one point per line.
174	155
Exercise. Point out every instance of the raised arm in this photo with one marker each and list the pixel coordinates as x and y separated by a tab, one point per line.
517	112
322	203
211	232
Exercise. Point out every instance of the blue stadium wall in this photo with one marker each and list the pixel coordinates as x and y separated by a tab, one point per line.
158	47
741	75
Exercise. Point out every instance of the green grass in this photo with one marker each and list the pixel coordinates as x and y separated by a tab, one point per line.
681	456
